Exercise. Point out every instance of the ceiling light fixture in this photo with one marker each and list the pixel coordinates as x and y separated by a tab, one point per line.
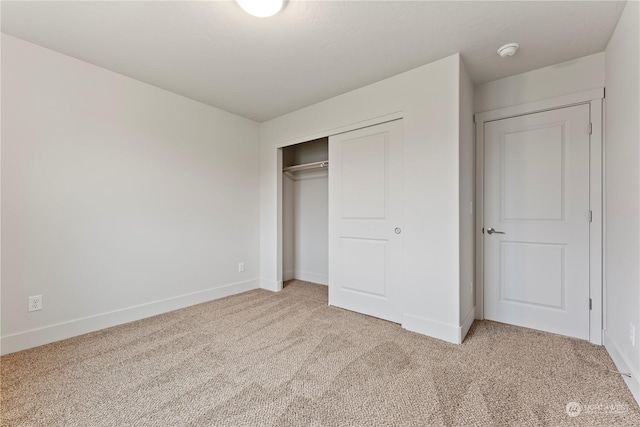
261	8
508	50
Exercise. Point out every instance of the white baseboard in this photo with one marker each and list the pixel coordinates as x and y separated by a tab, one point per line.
623	365
48	334
321	279
466	324
270	285
432	328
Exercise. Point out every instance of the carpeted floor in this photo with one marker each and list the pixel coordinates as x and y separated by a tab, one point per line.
287	359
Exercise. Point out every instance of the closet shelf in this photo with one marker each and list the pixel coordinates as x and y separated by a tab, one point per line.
306	166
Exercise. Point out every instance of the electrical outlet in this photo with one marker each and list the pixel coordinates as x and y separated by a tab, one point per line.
632	334
240	267
35	303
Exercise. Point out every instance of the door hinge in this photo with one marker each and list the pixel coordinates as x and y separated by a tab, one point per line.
590	128
590	216
590	304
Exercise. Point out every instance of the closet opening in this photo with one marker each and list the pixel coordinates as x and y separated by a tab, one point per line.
305	212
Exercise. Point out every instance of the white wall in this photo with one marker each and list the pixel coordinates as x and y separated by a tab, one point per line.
467	205
622	194
119	200
311	194
427	99
288	228
305	222
556	80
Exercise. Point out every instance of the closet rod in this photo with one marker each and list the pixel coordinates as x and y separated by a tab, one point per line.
306	166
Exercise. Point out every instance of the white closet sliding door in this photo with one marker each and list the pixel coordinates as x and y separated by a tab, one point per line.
365	220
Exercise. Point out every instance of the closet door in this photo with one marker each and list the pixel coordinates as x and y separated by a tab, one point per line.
365	220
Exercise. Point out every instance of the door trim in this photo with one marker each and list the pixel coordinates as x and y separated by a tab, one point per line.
595	100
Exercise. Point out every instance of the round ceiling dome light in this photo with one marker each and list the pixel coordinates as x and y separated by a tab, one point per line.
508	50
261	8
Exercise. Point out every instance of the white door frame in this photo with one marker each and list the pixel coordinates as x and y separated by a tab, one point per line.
595	99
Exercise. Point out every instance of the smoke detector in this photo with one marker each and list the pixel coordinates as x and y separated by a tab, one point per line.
508	50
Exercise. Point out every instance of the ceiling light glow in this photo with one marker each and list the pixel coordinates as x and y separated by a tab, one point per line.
261	8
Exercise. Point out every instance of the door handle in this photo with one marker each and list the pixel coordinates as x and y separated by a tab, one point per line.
397	230
494	231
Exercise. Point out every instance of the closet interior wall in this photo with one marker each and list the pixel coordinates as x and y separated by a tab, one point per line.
305	213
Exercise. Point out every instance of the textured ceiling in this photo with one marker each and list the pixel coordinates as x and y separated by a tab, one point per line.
261	68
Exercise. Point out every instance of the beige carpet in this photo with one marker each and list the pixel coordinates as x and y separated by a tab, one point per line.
288	359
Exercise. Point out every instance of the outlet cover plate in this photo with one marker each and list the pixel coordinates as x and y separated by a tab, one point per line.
35	303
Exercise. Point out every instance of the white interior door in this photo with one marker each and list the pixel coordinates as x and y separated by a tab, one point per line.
536	197
365	220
